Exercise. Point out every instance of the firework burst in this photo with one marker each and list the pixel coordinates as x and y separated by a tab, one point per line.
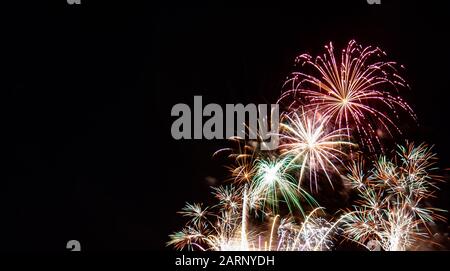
391	212
242	157
306	139
357	92
273	179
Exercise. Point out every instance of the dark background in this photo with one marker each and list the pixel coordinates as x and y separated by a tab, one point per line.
87	92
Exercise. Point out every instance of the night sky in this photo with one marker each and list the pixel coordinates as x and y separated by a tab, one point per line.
87	93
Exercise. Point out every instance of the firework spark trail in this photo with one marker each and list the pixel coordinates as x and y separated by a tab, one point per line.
244	242
359	92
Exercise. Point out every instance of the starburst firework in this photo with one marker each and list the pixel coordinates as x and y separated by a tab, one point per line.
359	91
316	150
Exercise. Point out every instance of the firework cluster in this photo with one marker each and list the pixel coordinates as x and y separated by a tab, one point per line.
338	113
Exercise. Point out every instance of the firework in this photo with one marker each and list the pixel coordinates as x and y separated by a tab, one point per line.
391	212
189	237
195	212
242	157
306	138
229	197
357	92
330	105
314	232
273	178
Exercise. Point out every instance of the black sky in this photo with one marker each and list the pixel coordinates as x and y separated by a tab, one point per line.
88	92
